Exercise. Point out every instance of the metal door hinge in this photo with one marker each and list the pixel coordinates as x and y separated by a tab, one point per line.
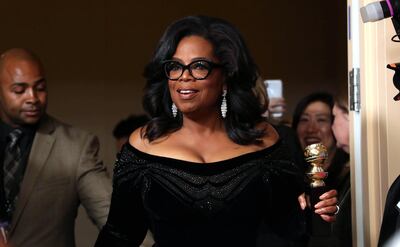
354	89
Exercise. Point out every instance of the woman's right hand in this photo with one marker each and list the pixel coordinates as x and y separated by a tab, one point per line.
326	208
276	106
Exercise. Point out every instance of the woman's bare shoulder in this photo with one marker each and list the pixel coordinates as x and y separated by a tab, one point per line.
137	139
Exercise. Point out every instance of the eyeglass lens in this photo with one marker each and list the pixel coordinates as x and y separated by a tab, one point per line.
198	69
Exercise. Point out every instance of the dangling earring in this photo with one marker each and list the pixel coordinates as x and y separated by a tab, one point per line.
174	110
224	107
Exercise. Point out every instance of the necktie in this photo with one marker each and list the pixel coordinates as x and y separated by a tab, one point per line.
11	171
11	166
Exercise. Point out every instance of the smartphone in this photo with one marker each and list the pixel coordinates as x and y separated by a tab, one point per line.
274	90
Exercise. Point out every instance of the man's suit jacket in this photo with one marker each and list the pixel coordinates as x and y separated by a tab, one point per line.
391	215
63	170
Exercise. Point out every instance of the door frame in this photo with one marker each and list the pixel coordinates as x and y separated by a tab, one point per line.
375	127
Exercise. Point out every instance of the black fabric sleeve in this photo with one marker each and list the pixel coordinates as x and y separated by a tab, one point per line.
127	222
285	216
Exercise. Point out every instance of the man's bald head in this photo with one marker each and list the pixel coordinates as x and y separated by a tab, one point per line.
19	54
23	93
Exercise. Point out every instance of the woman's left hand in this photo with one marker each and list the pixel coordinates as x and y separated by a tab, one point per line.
327	208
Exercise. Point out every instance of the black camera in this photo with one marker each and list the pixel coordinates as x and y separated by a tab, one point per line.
384	9
380	10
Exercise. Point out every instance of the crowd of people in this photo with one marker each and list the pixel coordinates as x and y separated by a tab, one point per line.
206	165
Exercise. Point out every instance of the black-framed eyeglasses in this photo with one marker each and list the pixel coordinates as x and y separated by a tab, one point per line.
198	69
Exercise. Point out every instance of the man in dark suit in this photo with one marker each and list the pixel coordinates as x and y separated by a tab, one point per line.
57	166
391	216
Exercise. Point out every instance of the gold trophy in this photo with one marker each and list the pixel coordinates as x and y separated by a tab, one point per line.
316	155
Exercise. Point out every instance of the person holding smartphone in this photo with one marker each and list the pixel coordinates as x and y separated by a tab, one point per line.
277	103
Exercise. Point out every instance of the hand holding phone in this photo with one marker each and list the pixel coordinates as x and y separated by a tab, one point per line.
277	105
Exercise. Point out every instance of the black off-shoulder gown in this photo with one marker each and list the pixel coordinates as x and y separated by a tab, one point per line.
195	204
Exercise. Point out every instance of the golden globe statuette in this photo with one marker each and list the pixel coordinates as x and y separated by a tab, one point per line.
316	155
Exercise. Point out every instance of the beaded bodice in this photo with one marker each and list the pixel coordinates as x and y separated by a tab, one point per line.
194	204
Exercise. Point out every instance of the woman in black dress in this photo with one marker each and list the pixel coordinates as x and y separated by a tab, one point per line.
207	169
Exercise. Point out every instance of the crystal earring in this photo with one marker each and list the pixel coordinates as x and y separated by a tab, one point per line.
224	107
174	110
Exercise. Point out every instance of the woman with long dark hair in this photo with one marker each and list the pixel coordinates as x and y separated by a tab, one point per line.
207	169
